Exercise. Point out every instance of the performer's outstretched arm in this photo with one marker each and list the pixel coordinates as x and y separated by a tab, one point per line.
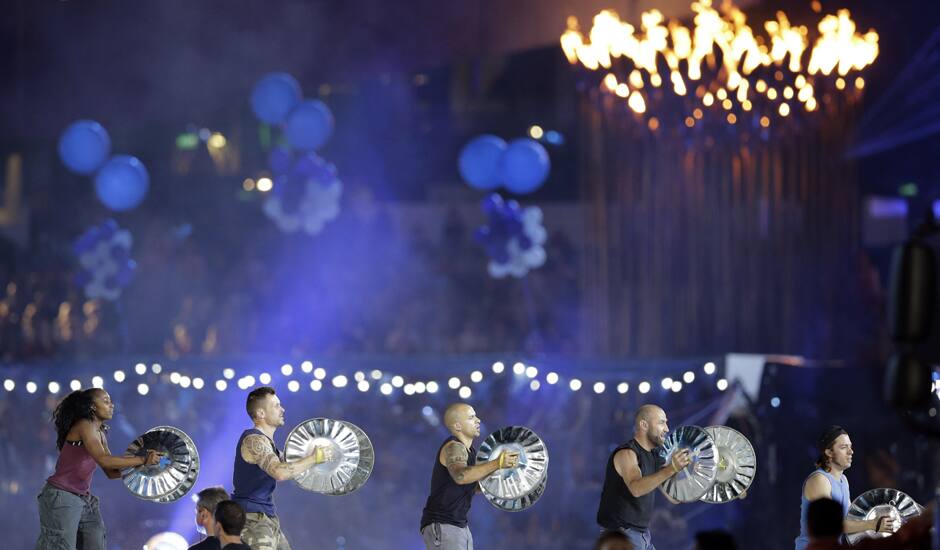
455	457
818	486
629	469
111	473
93	444
256	449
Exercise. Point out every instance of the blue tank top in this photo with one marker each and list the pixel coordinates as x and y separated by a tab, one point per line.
839	493
252	487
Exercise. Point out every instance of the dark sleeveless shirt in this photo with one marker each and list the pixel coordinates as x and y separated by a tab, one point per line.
619	509
448	502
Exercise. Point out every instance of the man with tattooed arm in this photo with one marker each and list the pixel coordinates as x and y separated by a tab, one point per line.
259	466
454	482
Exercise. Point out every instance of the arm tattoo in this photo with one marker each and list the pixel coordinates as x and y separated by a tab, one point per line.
257	449
455	458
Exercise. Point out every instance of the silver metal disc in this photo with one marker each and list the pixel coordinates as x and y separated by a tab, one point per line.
737	465
353	455
171	478
518	504
693	481
878	503
514	483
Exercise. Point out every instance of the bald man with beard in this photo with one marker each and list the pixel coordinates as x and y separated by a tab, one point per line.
634	471
453	482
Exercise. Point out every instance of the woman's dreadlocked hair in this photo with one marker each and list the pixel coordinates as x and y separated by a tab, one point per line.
76	406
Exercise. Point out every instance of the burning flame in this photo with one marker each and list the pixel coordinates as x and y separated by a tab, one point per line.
838	48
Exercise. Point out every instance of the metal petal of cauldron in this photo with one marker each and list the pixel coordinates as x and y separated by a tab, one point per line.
353	455
881	502
172	477
693	481
737	465
514	483
518	504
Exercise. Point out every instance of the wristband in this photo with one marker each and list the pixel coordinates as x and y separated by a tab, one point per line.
878	523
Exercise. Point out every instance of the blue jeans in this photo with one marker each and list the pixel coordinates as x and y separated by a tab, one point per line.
68	521
639	538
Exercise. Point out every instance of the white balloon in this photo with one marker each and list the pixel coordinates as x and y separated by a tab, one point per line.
313	225
94	289
122	238
272	207
110	293
496	270
535	257
518	269
288	224
88	260
536	234
532	215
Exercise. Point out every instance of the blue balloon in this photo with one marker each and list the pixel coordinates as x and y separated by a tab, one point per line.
308	166
479	162
84	146
122	183
524	166
107	229
274	96
84	243
279	159
309	126
492	206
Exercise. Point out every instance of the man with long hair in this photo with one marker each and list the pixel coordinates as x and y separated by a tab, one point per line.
829	481
258	468
69	515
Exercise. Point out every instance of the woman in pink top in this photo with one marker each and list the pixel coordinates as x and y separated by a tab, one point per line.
69	516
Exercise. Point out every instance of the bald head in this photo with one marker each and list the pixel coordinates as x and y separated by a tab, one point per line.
650	424
461	419
646	413
455	413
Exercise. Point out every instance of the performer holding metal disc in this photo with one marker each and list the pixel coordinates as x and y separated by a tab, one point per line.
69	515
634	471
828	481
454	482
258	468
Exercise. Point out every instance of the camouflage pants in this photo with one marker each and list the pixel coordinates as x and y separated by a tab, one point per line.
263	532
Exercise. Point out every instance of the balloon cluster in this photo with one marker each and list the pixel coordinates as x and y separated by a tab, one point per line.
512	238
307	123
487	162
307	190
121	181
104	252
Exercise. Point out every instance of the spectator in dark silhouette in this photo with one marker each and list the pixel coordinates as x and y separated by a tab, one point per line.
206	503
824	523
230	520
613	540
714	540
